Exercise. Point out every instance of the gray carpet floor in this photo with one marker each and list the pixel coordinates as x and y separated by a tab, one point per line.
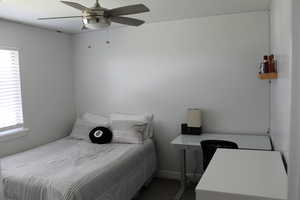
163	189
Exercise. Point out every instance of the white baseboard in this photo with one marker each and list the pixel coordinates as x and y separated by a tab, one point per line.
175	175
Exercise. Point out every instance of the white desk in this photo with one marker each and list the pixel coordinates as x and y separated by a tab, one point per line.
257	142
243	175
186	142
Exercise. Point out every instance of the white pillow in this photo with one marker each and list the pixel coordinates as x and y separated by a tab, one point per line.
82	128
97	119
131	117
129	128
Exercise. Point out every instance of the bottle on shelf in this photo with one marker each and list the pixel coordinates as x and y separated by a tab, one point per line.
266	64
272	64
264	67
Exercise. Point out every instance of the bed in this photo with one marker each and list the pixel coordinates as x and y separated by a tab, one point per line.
72	169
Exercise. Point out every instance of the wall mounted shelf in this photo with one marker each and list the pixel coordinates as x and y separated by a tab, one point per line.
268	76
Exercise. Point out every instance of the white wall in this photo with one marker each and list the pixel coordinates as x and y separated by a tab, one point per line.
46	73
294	159
281	47
167	67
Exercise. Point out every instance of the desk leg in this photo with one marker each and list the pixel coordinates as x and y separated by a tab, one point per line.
183	175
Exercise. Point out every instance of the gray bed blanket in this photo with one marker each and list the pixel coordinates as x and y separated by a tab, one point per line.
71	169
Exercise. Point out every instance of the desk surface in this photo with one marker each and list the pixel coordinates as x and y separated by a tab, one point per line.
244	174
256	142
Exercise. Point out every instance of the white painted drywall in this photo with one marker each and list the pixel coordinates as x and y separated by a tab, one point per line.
294	159
281	47
46	73
167	67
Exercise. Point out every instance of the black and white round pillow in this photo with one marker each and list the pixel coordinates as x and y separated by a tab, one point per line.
101	135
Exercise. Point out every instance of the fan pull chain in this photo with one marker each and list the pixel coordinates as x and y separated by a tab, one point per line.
107	36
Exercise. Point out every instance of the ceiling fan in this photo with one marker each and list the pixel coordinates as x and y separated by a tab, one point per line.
99	17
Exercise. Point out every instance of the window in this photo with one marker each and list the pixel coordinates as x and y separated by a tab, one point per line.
11	113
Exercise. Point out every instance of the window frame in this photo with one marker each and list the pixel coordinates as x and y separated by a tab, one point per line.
17	130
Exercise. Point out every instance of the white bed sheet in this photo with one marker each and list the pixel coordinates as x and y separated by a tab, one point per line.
71	169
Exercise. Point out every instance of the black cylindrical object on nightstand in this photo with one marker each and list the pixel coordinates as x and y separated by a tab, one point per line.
185	130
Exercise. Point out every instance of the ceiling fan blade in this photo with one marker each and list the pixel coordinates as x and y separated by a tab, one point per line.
127	21
75	5
128	10
67	17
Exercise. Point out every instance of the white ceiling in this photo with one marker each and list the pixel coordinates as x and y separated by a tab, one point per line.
27	11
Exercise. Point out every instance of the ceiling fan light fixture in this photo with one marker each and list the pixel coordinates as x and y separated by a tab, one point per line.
96	22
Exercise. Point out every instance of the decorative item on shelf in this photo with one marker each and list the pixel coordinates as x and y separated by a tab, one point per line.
194	122
268	68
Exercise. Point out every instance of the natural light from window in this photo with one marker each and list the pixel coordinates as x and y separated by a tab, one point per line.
11	113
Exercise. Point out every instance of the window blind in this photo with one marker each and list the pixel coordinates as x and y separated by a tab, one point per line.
11	113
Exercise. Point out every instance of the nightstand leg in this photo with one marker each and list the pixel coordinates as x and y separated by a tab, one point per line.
183	175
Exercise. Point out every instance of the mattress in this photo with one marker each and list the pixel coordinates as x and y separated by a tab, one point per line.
71	169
